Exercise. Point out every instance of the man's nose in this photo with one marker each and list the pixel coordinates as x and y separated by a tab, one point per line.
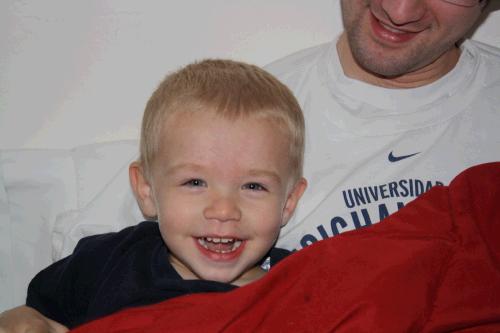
223	209
401	12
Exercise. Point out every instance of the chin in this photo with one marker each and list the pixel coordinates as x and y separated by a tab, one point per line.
386	67
384	62
218	277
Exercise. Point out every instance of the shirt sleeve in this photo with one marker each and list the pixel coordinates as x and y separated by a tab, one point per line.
62	291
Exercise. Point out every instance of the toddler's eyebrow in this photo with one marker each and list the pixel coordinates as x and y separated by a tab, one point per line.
252	172
265	173
184	166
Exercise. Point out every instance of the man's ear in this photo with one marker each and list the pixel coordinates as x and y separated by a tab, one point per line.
142	190
292	200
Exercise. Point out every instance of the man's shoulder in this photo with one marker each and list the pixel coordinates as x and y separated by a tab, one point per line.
485	59
298	61
487	51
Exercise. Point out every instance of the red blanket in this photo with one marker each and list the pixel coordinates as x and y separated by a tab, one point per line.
434	266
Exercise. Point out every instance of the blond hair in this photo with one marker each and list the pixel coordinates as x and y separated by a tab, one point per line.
231	89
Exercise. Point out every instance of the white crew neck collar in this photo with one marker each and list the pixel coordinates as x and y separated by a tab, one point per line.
408	108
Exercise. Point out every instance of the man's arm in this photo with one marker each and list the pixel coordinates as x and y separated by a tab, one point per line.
24	319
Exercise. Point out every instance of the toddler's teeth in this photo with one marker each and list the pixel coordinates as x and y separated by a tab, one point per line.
214	244
202	242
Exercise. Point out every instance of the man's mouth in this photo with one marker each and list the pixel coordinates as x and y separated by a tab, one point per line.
220	245
391	29
391	34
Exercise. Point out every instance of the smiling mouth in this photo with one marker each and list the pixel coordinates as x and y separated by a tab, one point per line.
387	33
220	245
392	29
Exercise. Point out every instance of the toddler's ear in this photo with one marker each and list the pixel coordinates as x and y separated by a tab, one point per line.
292	200
142	190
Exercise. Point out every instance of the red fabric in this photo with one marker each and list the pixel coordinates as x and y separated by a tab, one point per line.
434	266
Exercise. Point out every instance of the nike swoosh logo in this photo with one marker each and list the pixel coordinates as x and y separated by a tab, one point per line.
393	158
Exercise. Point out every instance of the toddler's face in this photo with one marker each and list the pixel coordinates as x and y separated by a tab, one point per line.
222	190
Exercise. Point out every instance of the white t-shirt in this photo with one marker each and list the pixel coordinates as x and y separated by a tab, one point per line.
371	150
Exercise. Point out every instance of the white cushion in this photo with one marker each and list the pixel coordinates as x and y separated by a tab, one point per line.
6	262
51	198
37	185
106	200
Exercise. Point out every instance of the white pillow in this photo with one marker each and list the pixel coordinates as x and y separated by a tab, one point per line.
36	185
51	198
6	263
106	200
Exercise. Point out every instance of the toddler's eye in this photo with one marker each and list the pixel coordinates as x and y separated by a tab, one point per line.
195	183
254	187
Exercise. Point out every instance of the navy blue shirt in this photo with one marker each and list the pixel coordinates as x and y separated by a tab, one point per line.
113	271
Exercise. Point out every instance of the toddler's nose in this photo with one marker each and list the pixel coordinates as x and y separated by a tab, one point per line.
222	209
